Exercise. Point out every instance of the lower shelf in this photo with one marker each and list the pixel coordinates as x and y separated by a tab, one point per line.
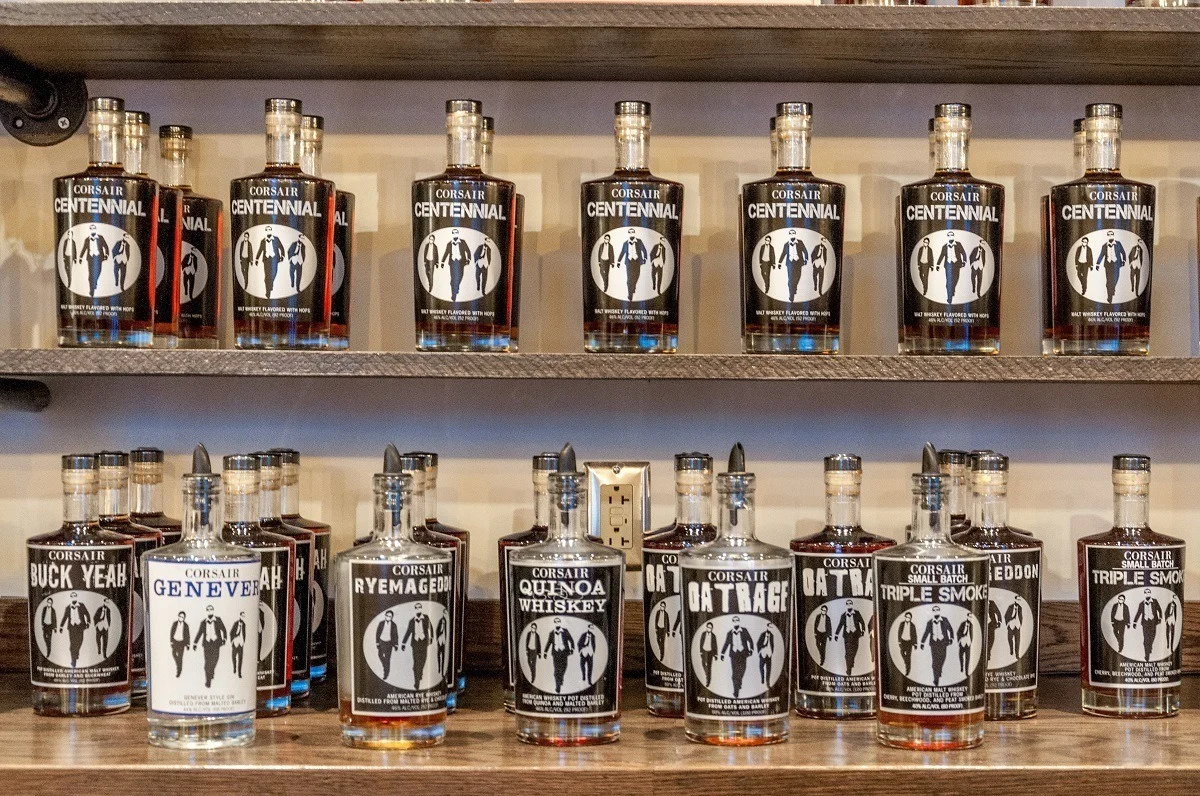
1060	751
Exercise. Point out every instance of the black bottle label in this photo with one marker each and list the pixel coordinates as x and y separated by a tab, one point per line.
107	233
80	601
569	639
835	620
319	607
343	251
401	629
738	625
275	603
463	250
632	237
1134	616
167	254
792	252
200	263
951	237
137	635
663	607
302	610
1103	246
931	635
282	231
1014	613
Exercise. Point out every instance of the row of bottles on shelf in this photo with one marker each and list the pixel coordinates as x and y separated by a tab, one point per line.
125	280
931	636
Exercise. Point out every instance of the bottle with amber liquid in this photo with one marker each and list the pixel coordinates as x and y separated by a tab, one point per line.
146	477
486	143
1131	617
834	676
312	143
954	465
931	598
1077	147
543	465
1102	233
662	594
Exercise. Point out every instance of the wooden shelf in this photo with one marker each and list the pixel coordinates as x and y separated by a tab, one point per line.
602	41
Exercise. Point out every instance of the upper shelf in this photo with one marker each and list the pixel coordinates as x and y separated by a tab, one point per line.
604	41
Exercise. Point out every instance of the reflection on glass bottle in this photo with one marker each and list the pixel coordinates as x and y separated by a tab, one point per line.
146	477
954	465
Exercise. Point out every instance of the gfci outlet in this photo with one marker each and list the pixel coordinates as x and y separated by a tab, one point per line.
619	506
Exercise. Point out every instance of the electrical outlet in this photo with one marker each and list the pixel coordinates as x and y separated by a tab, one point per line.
619	506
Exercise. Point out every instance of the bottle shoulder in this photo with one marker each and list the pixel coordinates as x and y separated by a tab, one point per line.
193	200
532	536
393	551
192	551
157	520
939	550
282	176
1130	537
293	531
1005	538
955	179
570	552
740	554
832	540
463	177
317	528
1103	179
127	527
426	535
634	179
449	530
796	178
679	536
253	536
71	534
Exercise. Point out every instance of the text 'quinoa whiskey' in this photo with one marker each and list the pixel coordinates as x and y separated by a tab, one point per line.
282	228
200	243
931	598
737	622
567	604
951	236
1102	244
312	142
632	237
80	606
792	226
463	240
106	233
1131	590
834	676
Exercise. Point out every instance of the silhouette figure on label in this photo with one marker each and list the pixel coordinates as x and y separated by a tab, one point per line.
213	635
559	646
237	643
533	650
76	619
664	627
606	259
907	636
738	646
120	258
187	270
587	655
795	257
823	631
49	619
819	259
296	254
1136	258
1149	614
871	639
1172	617
766	263
708	652
95	249
483	260
245	258
954	258
429	259
1120	619
181	638
1112	257
994	620
456	255
978	261
966	635
924	264
70	256
387	641
766	653
439	635
103	624
420	633
1083	264
270	254
938	635
658	260
851	628
1014	620
633	256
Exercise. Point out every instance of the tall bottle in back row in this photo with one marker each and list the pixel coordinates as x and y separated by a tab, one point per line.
487	146
312	143
1101	236
791	241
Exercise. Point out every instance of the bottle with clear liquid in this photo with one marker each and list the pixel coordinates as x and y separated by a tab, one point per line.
568	689
662	595
146	477
201	618
392	593
1131	595
834	674
737	623
79	641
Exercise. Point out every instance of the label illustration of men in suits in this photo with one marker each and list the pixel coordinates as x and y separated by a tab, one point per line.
468	269
1111	266
238	638
212	636
98	260
193	271
275	246
938	263
419	633
796	265
643	268
835	611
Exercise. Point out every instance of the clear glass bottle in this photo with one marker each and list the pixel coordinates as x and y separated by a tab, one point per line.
791	240
1125	676
312	143
543	465
203	601
568	689
737	606
391	594
1014	593
662	595
1102	243
106	230
273	658
632	238
200	243
951	240
79	644
930	595
146	476
282	226
835	601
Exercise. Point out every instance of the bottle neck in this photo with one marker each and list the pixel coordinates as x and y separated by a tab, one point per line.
106	138
114	493
1102	145
843	503
241	507
541	500
1131	507
566	517
930	518
135	154
735	516
393	515
80	503
269	502
289	490
485	151
633	143
310	154
693	507
792	149
989	508
956	478
950	150
201	495
463	145
148	497
430	495
176	165
283	139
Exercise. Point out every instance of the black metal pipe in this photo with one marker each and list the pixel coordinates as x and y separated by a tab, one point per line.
25	395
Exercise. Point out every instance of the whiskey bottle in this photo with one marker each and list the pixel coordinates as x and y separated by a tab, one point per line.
543	465
632	234
1078	142
201	617
392	595
1131	590
146	475
568	690
486	142
931	598
312	142
1103	249
951	236
282	226
662	595
170	229
114	517
835	603
106	231
200	244
463	263
737	610
792	248
270	475
1014	593
319	587
80	606
276	591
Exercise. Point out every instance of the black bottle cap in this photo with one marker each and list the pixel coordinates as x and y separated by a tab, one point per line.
952	457
1077	126
1131	462
929	460
633	108
391	460
566	460
988	462
106	104
737	459
546	462
287	455
431	459
315	122
201	463
842	462
137	117
794	109
146	456
974	455
489	124
175	131
952	110
113	458
1103	109
268	459
79	461
693	461
464	106
240	461
283	105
